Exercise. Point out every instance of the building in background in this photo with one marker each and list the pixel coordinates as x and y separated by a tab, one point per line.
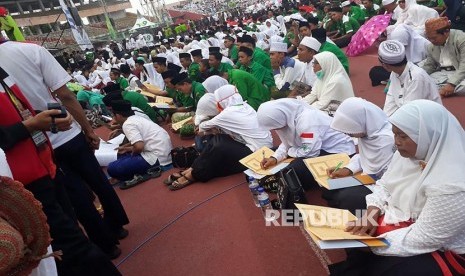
38	17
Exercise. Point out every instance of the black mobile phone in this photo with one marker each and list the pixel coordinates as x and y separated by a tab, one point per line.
57	106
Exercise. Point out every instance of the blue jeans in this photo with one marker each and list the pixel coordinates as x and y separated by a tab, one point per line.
127	165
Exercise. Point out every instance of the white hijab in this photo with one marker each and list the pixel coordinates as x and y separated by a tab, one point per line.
238	118
281	115
212	83
355	116
416	15
440	143
206	108
335	77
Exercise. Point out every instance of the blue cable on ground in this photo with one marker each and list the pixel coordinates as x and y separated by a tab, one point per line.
174	220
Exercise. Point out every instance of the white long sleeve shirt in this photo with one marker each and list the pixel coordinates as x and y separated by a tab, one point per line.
440	226
413	84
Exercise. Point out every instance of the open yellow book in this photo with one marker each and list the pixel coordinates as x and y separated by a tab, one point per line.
178	125
254	160
326	227
161	99
319	165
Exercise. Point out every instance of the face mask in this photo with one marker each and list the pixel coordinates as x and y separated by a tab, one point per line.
320	74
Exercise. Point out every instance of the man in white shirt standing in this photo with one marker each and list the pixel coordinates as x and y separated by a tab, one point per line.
148	150
407	82
37	73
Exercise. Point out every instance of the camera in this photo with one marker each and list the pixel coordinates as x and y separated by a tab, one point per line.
57	106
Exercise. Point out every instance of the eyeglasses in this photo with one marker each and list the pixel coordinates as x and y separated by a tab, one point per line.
401	1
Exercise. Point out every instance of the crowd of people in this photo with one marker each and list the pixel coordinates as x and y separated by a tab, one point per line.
281	71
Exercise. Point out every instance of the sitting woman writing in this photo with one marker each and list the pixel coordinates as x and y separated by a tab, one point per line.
304	132
419	200
369	124
236	134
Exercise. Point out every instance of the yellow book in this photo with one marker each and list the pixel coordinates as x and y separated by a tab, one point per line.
161	99
254	160
178	125
326	227
148	95
319	165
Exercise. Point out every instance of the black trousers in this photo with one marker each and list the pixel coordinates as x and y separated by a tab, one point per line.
219	158
361	263
352	198
341	43
81	171
80	256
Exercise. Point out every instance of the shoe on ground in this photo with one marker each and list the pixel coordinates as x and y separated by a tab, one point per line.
114	253
121	233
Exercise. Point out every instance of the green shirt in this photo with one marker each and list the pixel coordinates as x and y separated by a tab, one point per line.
249	87
191	100
234	53
371	12
224	67
262	74
139	101
172	93
261	57
194	71
123	83
329	47
358	14
347	25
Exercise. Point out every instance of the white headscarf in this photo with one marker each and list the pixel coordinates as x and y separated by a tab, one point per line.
335	77
238	119
228	95
440	143
415	15
214	82
206	108
355	116
415	44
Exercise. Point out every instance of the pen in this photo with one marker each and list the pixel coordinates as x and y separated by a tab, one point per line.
263	154
339	165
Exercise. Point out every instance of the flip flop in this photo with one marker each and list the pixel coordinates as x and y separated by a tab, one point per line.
177	186
173	177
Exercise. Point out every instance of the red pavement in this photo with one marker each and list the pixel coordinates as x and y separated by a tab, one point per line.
215	229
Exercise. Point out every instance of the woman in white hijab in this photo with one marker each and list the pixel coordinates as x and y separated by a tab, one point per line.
415	44
367	123
206	108
236	134
211	84
413	15
304	132
332	86
420	198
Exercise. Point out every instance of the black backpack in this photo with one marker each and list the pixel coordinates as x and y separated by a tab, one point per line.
290	190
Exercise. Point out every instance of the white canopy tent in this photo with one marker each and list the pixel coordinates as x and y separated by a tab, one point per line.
141	22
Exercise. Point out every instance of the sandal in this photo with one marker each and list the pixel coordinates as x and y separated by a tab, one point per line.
173	177
176	185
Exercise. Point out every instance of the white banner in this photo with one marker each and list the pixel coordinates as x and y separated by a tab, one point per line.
79	33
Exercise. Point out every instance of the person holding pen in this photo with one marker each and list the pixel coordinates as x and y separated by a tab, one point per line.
304	132
367	123
417	204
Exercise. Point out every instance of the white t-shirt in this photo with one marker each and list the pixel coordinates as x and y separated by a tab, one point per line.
157	143
36	72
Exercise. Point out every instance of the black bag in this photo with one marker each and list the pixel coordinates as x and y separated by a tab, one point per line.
290	190
183	157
